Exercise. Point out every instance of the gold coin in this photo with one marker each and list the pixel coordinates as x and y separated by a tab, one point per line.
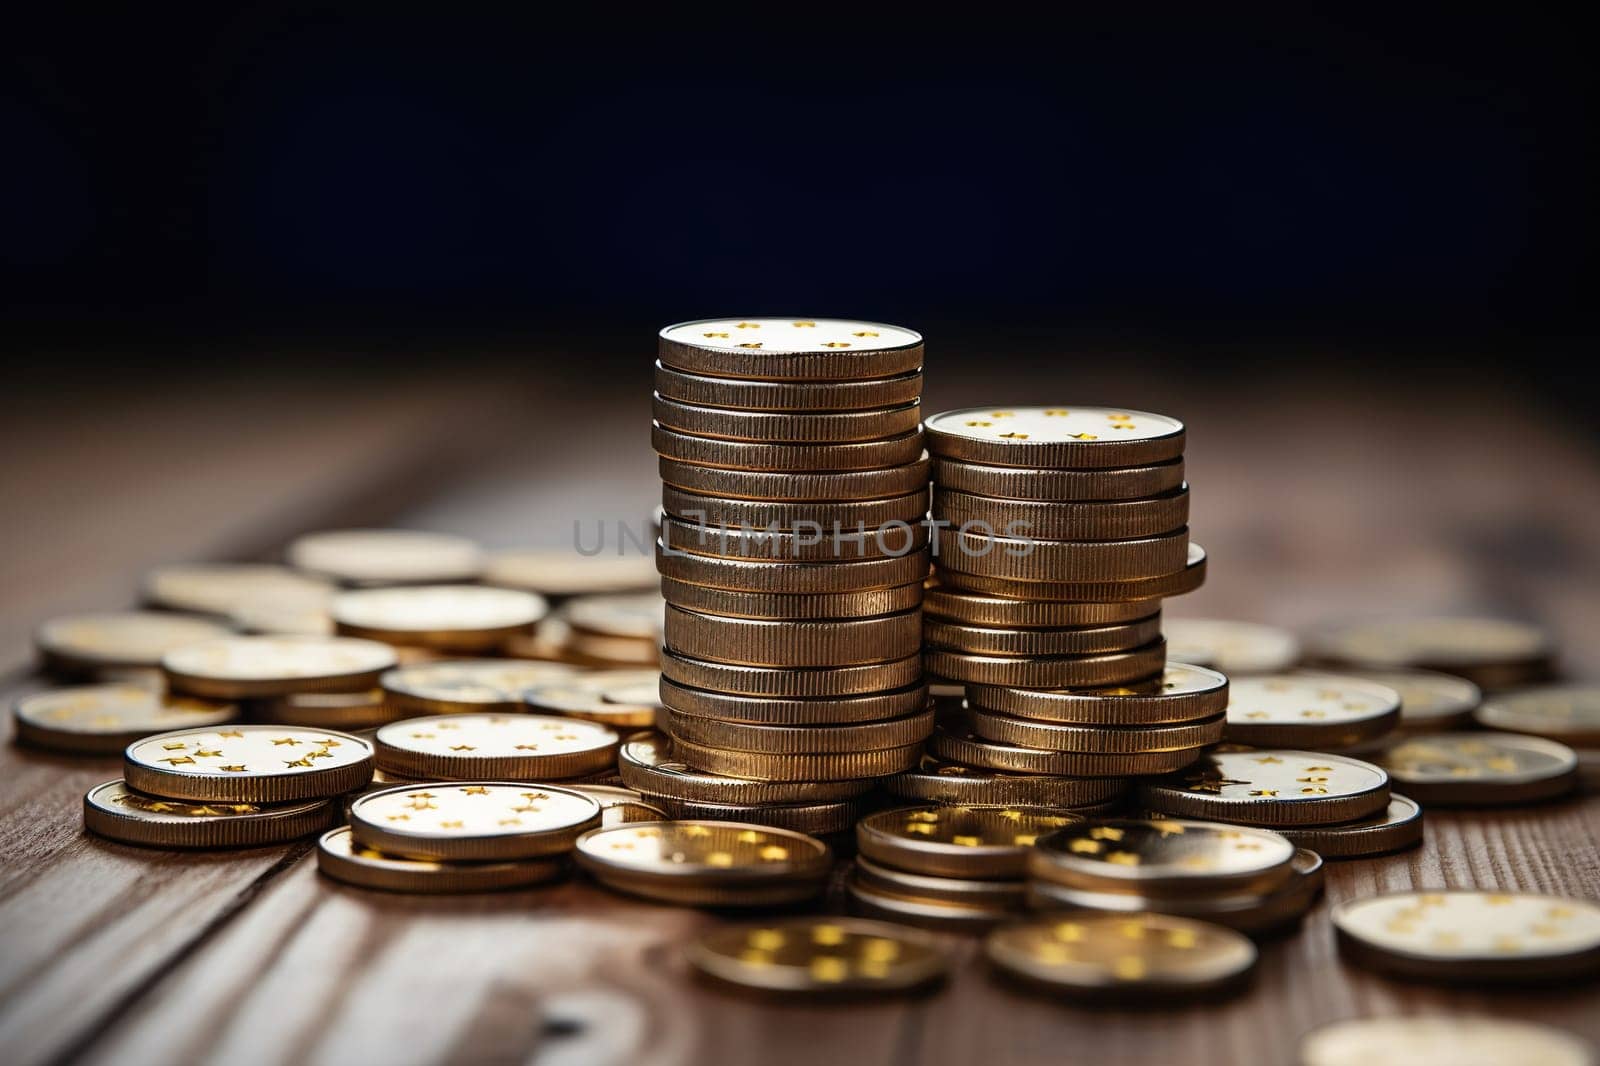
1163	857
828	427
872	900
248	764
791	683
1481	769
589	649
847	515
754	395
1061	671
828	766
1024	483
976	842
117	640
1271	788
647	763
220	588
563	572
633	614
797	458
1009	893
329	710
104	719
799	739
817	711
825	544
502	747
805	578
587	701
955	740
1182	693
753	642
1471	937
1072	438
117	812
463	685
1109	740
474	821
1079	520
948	782
1077	640
1235	648
1457	1039
1135	956
1190	577
783	349
343	859
820	955
386	556
1309	710
619	805
716	863
1430	702
1502	651
873	484
238	667
1398	827
449	617
1567	713
819	819
977	609
285	614
973	550
735	604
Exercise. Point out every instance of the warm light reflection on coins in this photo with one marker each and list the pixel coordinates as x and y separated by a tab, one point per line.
1429	701
958	841
116	811
1130	953
399	556
1436	642
341	857
1270	787
518	746
1568	713
120	638
107	718
436	610
1163	855
1458	1040
1309	710
1235	648
1481	768
582	698
262	763
221	588
470	684
477	820
787	335
717	850
820	955
260	666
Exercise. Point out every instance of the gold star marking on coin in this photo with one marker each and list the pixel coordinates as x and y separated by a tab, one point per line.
1122	858
1269	759
1014	436
234	733
509	821
979	422
475	790
747	325
766	939
462	747
1086	847
204	753
756	344
179	760
1083	436
1263	792
279	741
803	325
1055	412
237	768
302	761
865	333
179	746
835	344
774	853
1106	832
456	824
722	335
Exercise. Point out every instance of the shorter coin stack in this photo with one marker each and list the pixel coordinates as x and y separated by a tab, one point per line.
1061	531
707	863
947	867
316	682
792	555
1251	880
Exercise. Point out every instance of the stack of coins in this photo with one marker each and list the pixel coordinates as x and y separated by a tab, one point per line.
792	554
1250	880
707	863
947	867
228	786
1060	531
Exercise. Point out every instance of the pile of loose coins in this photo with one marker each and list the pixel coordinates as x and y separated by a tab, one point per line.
1122	815
793	552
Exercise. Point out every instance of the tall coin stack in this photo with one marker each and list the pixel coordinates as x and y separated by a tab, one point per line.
793	555
1060	530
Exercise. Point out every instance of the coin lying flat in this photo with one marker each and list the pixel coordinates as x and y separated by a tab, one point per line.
1493	652
978	609
1073	640
875	900
1460	1040
1130	955
800	739
1568	713
1055	437
819	955
1313	711
1163	857
826	485
1062	671
329	710
1235	648
955	740
1182	693
756	710
753	642
754	395
221	588
115	811
1021	558
707	863
475	821
1481	769
286	614
107	718
647	763
1471	936
785	349
386	556
804	766
339	856
948	782
791	682
735	424
1175	583
451	617
737	604
619	805
462	685
1122	740
816	819
567	572
238	667
1008	893
975	842
805	458
114	640
1270	788
508	747
577	699
801	578
1033	484
1398	827
248	764
1430	702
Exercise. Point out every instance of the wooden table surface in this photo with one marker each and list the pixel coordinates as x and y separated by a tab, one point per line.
1316	499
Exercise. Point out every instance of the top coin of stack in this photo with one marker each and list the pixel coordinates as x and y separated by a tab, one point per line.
792	550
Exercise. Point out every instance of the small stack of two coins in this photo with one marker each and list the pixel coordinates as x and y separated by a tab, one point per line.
314	681
792	553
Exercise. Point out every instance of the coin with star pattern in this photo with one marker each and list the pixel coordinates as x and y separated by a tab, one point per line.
340	857
476	821
107	718
975	842
117	812
1055	437
706	862
459	685
118	640
1270	788
239	667
820	955
1430	702
1162	856
512	747
1312	711
1481	769
1568	713
248	764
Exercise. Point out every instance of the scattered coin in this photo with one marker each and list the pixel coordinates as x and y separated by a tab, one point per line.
1271	788
450	617
1430	702
117	812
1471	936
221	588
1493	652
1460	1040
287	614
329	710
239	667
1235	648
1182	693
117	640
703	863
1395	829
578	698
948	782
386	556
464	685
776	349
1055	437
1568	713
498	747
104	719
975	842
1311	711
248	764
1133	956
339	856
1163	857
475	821
1482	769
560	573
819	955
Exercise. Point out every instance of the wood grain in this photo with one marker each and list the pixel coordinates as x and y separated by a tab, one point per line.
1329	499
